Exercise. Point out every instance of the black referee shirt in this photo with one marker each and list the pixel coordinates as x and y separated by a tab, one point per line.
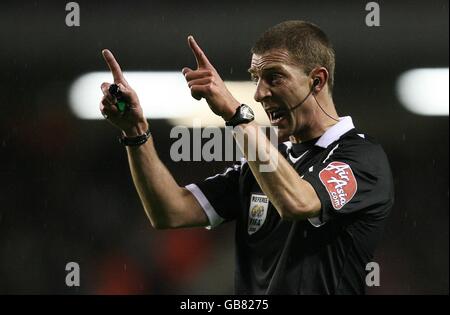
323	255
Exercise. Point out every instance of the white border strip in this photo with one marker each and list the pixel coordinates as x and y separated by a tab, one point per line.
315	221
214	218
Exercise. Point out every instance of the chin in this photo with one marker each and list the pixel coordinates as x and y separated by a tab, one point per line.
284	130
283	136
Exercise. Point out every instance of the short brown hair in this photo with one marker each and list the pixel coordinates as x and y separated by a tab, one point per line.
304	41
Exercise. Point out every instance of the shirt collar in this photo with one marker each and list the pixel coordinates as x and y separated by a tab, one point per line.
335	132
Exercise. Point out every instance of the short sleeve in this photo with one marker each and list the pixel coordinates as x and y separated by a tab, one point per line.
353	178
218	195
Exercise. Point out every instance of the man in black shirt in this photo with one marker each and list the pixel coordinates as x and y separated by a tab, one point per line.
311	224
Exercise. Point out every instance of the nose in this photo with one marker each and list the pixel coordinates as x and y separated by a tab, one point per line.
262	91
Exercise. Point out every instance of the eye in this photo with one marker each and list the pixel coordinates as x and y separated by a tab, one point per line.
254	78
275	78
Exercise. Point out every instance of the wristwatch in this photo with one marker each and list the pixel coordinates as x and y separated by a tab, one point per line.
135	141
244	114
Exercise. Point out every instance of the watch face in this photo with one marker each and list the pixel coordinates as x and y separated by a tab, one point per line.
244	114
247	112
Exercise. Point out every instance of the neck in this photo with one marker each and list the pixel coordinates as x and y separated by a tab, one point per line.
319	121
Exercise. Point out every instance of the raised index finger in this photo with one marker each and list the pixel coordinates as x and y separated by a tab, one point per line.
202	61
113	66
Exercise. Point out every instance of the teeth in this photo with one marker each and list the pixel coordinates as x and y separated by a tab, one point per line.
277	114
274	121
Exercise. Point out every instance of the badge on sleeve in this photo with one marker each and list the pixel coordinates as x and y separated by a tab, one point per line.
340	182
257	212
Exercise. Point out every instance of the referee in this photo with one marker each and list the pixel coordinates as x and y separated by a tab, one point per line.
312	224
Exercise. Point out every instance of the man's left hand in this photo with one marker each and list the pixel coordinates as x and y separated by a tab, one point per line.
206	83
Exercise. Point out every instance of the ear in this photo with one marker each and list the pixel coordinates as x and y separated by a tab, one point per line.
319	78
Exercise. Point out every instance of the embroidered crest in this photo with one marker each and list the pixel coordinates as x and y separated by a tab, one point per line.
257	212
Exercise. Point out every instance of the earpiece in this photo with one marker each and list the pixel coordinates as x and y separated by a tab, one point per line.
316	82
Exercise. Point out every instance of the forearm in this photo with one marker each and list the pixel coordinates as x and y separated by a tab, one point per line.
152	181
293	197
166	204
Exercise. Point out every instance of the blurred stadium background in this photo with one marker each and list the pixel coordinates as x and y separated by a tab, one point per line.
66	193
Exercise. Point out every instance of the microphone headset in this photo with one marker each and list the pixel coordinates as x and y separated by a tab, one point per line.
316	82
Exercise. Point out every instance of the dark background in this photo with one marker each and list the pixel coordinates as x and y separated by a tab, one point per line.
65	189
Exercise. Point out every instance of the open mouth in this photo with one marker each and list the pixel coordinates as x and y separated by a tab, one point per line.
277	115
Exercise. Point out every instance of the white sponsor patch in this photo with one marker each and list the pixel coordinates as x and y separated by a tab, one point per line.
257	212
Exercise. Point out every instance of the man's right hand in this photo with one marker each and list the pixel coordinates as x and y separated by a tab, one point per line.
132	122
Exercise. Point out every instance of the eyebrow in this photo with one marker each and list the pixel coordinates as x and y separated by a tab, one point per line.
269	68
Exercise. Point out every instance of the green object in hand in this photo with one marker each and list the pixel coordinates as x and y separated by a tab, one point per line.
122	106
117	93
